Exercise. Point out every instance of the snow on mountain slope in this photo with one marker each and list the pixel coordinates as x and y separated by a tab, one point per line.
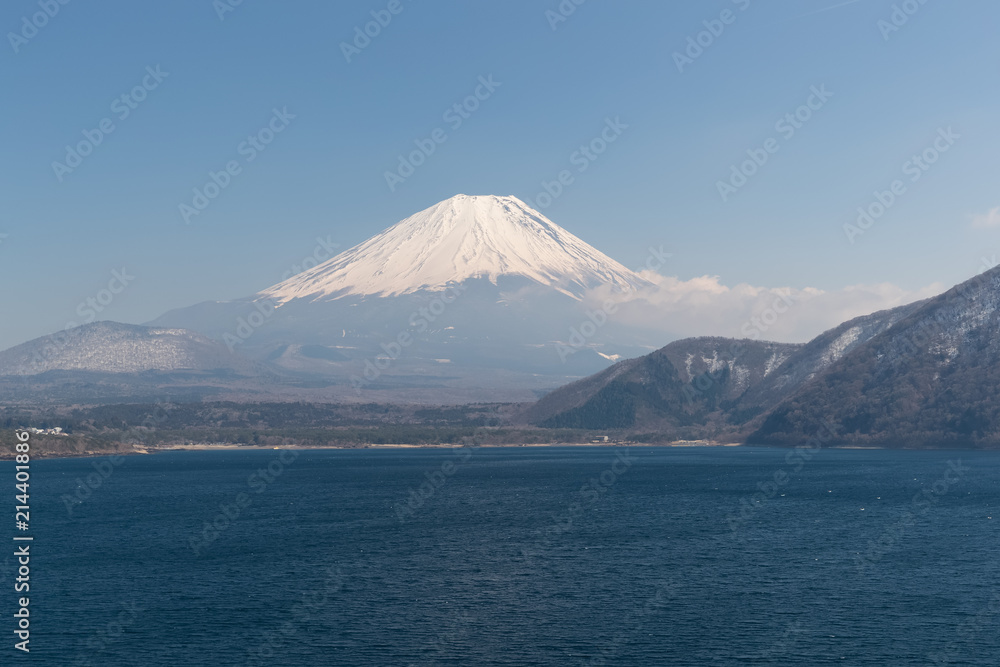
679	384
110	347
928	380
820	353
461	238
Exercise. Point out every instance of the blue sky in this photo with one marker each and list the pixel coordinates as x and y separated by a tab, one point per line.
323	174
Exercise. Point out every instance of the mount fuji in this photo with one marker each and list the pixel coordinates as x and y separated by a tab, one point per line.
459	239
474	298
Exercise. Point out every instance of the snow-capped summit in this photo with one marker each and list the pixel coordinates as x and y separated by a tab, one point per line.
461	238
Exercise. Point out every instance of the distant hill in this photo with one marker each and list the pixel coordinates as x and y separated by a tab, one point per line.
921	375
688	383
111	347
705	387
109	361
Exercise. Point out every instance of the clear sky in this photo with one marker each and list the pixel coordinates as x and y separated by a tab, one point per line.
887	94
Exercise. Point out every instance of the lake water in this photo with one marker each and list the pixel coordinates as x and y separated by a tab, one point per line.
520	556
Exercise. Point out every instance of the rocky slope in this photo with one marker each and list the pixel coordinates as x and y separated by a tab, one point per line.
705	387
930	380
689	383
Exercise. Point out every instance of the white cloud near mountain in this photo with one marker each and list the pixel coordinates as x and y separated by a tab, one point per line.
704	306
986	220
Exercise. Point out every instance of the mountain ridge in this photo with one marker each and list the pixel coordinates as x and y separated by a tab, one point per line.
706	386
929	380
922	375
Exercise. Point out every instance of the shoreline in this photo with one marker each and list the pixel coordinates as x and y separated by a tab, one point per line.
212	447
678	444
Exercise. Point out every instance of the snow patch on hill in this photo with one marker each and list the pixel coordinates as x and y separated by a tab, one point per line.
110	347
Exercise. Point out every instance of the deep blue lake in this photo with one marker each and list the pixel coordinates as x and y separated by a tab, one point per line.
520	556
